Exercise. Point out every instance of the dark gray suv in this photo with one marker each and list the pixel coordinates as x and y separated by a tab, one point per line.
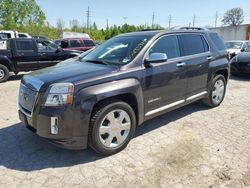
99	98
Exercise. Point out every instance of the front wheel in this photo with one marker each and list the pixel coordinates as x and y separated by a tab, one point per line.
112	127
217	91
4	73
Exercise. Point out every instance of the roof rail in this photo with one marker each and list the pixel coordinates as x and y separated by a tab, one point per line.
194	28
151	29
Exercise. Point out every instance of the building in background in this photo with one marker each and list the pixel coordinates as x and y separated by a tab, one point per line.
241	32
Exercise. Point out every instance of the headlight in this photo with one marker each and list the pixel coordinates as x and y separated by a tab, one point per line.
60	94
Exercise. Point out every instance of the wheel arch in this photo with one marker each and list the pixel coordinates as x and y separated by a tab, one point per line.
4	61
223	72
127	90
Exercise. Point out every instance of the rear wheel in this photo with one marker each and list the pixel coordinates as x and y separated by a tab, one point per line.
217	91
4	73
112	127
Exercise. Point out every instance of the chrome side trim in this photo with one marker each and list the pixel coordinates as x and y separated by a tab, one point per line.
175	104
164	107
196	96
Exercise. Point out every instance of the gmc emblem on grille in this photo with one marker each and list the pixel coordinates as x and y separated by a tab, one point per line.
25	96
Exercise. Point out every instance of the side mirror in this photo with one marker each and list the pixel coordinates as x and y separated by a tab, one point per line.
243	49
156	58
59	49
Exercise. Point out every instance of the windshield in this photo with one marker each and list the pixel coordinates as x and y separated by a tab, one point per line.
234	45
118	50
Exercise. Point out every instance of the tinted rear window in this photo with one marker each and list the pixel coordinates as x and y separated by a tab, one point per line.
217	41
75	43
194	44
89	43
24	45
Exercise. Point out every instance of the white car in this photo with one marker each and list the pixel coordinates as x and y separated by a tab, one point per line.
24	35
4	36
237	46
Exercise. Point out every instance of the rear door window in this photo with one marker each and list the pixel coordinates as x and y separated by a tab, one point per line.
220	45
25	45
194	44
75	43
89	43
5	36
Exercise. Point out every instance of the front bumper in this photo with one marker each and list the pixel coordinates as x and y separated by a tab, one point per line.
72	132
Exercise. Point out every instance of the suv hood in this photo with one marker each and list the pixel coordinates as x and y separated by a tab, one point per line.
71	71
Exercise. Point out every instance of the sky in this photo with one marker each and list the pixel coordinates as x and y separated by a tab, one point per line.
140	12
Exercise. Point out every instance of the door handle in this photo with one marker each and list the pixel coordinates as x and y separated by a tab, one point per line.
182	64
20	54
209	57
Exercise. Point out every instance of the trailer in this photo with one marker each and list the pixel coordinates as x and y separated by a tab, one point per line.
74	35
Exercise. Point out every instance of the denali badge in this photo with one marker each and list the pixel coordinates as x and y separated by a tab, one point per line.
154	100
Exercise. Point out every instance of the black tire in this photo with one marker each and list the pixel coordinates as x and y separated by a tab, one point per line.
209	100
4	73
97	119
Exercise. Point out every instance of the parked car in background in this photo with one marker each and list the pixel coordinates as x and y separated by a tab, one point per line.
237	46
24	35
4	36
240	64
99	98
81	44
27	54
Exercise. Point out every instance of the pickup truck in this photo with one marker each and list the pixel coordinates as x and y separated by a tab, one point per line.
28	54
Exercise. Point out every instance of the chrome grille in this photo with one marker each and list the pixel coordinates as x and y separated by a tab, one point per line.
27	98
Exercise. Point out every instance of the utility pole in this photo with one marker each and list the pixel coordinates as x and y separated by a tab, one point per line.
169	21
194	18
125	19
88	18
107	23
153	20
216	19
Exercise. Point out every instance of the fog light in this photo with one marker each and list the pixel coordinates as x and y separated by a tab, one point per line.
54	125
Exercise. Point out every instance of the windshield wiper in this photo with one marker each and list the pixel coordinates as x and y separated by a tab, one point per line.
96	61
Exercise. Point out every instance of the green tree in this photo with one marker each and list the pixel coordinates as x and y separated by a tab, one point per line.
233	17
15	14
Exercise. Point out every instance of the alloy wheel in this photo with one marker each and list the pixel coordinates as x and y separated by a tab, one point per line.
114	128
218	91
